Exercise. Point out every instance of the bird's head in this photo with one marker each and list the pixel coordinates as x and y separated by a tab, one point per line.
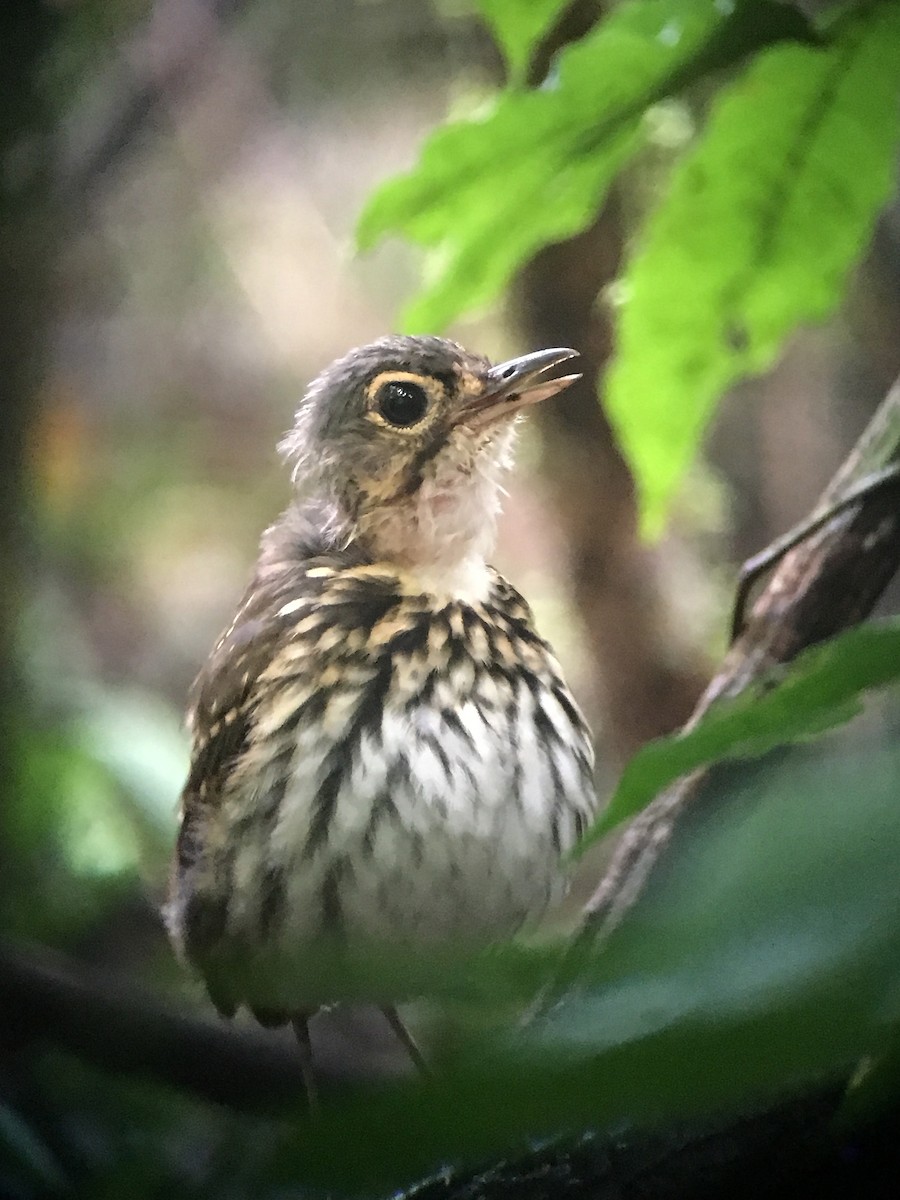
407	439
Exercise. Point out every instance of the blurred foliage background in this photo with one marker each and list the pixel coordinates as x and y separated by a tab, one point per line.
182	182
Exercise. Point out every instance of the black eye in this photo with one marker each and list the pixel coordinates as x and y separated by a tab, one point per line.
402	403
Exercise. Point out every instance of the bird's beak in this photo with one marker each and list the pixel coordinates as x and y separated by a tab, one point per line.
513	385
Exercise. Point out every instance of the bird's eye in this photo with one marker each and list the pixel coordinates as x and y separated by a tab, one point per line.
402	403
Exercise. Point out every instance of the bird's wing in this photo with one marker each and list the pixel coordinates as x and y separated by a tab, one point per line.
282	610
221	715
224	694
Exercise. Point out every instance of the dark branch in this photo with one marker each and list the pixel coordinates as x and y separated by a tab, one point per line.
772	1153
45	997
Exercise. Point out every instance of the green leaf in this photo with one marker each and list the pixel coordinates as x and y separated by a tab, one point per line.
535	166
874	1087
139	740
821	690
518	25
761	224
765	954
22	1146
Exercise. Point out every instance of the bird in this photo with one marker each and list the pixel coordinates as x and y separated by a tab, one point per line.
385	754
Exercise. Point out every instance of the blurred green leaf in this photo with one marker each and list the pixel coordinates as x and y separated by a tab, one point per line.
874	1087
821	689
140	741
99	793
535	166
97	837
129	759
518	25
23	1150
489	983
124	1135
761	224
758	959
64	799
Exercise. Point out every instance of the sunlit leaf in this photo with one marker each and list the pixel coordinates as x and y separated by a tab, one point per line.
535	166
757	233
820	690
518	25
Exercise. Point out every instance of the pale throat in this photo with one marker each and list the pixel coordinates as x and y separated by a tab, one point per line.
442	535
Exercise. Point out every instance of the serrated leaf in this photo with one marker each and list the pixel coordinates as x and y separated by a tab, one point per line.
759	228
819	691
535	166
518	25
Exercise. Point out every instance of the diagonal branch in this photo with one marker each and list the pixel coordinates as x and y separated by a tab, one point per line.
829	582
